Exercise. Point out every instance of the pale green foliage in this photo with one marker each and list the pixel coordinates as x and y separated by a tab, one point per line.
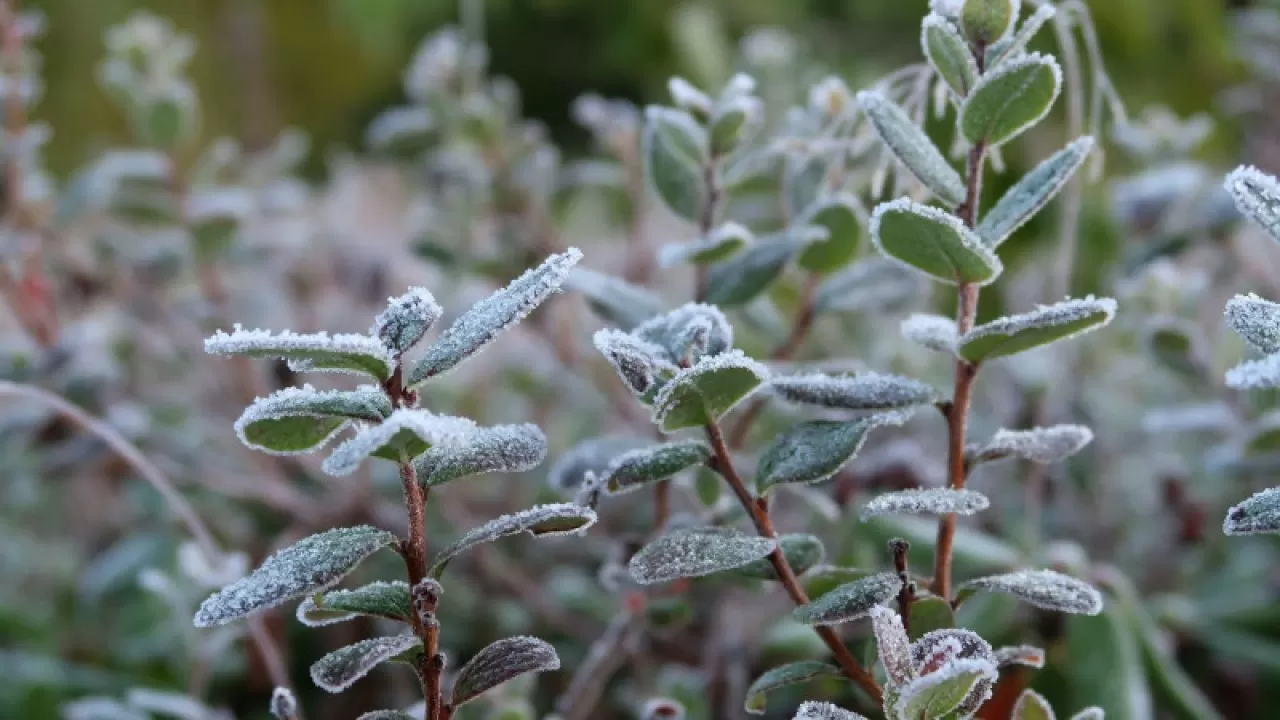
316	352
379	599
696	552
338	670
724	242
1010	99
614	299
1045	589
1033	192
406	319
849	601
502	448
814	451
949	54
539	521
1031	705
405	433
934	242
1042	326
1039	445
301	420
912	147
783	676
500	662
746	275
929	501
675	152
864	391
802	551
637	468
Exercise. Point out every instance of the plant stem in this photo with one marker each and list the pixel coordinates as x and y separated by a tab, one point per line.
707	222
758	509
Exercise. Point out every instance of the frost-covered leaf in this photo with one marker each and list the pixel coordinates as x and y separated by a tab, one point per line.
284	706
506	659
927	501
723	243
312	564
812	710
1256	320
912	147
1013	45
406	433
782	676
1045	445
1029	195
501	448
814	451
734	122
849	601
539	521
1024	655
836	216
1010	99
985	22
959	686
380	599
689	332
1257	195
637	468
338	670
318	352
1046	324
300	420
934	242
802	552
1255	374
864	391
1258	514
706	391
614	299
590	456
640	363
892	644
387	715
1045	589
742	278
406	319
675	150
688	97
1031	705
695	553
479	325
163	703
949	54
1090	713
872	285
934	332
822	579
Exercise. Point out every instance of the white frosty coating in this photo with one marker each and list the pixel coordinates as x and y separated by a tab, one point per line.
406	318
927	501
811	452
283	704
435	430
667	329
893	645
366	402
540	521
1009	67
812	710
1046	589
934	332
314	563
939	22
684	94
947	8
1256	320
850	601
477	327
1090	713
1046	316
1255	374
633	469
1030	194
1028	655
696	552
355	353
726	239
912	147
384	599
501	661
662	709
1032	706
338	670
636	361
915	694
669	397
1257	195
969	240
1046	445
101	708
938	647
592	455
1258	514
502	448
167	704
864	391
390	715
396	123
1013	45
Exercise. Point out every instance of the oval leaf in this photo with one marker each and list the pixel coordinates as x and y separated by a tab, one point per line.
934	332
695	553
1257	195
960	686
1104	666
850	601
501	661
539	521
1029	195
675	155
1031	705
745	276
502	448
814	451
912	147
949	54
1039	445
406	433
822	579
1010	99
929	614
639	363
934	242
1045	589
1047	324
706	391
640	467
835	215
589	456
802	552
386	715
406	319
1258	514
299	420
316	352
338	670
782	676
380	599
864	391
927	501
1256	320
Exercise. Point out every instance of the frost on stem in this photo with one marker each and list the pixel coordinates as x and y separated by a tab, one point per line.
1258	514
501	661
934	332
379	599
406	433
1045	589
502	448
1045	445
301	420
314	563
812	710
284	706
406	319
849	601
636	468
1257	195
539	521
338	670
478	326
1256	320
928	501
318	352
864	391
640	363
696	552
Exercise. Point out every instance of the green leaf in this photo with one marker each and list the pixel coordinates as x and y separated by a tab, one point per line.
502	448
405	433
802	552
864	391
937	694
913	147
695	553
929	614
637	468
707	485
300	420
499	662
835	215
1042	326
986	21
338	670
539	521
1044	446
386	715
1031	705
1010	99
782	676
849	601
689	333
1045	589
814	451
949	54
705	392
873	285
380	599
822	579
1258	514
1104	665
933	242
668	612
723	243
1029	195
802	181
735	122
745	276
318	352
614	299
675	153
1013	45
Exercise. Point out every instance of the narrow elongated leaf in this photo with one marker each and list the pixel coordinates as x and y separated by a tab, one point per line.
1256	320
478	326
501	661
689	332
783	676
934	242
1090	713
850	601
614	299
406	433
835	215
864	391
695	553
1031	705
802	552
1047	324
1255	374
1258	514
299	420
1257	195
675	154
928	501
934	332
380	599
1045	589
1039	445
1029	195
1010	99
637	468
706	391
312	564
386	715
406	319
912	147
746	275
1104	665
338	670
317	352
814	451
502	448
539	521
1013	45
824	711
892	645
949	54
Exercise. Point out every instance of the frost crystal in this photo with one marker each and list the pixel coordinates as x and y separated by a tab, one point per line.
539	521
697	552
1045	589
1258	514
1257	195
1256	320
824	711
1255	374
1027	655
338	670
1038	445
671	331
319	352
849	601
636	468
708	390
283	704
801	550
396	436
300	420
390	715
934	332
502	448
864	391
478	326
501	661
638	362
406	319
381	599
981	114
1044	325
314	563
929	501
893	644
